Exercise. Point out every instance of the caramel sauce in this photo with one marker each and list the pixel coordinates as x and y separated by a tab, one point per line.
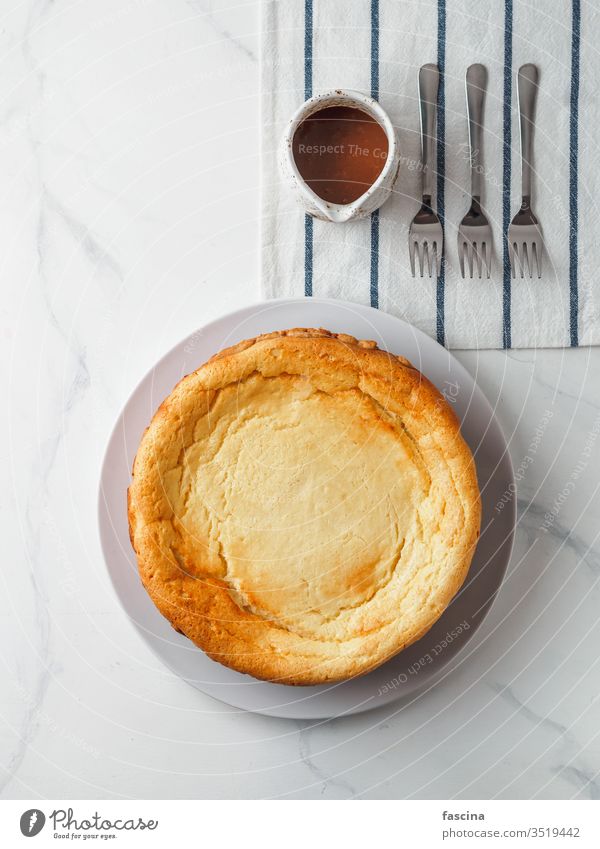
340	151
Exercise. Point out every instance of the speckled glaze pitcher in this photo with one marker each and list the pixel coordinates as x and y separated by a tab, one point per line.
376	194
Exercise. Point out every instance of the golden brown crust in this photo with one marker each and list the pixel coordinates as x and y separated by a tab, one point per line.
303	506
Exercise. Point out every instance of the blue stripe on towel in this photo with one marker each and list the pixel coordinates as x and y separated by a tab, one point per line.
507	141
374	287
375	49
573	177
308	90
308	48
441	163
308	255
375	258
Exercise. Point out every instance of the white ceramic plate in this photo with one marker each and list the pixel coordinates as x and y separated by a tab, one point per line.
413	668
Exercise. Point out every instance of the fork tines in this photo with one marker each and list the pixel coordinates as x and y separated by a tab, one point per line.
525	250
475	250
426	244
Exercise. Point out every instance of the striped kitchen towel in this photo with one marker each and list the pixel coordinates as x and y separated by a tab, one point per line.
377	46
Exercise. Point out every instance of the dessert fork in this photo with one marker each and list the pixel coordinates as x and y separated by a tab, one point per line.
525	244
474	231
426	237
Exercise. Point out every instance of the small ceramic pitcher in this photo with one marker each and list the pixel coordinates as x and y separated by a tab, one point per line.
376	194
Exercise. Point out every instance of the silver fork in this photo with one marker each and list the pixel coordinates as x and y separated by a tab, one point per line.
525	245
426	237
474	231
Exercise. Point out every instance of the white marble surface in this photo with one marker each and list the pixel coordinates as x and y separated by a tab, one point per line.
129	216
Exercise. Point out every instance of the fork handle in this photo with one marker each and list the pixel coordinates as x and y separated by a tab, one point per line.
476	84
429	80
527	86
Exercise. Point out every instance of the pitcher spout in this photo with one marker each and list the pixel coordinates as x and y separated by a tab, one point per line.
336	213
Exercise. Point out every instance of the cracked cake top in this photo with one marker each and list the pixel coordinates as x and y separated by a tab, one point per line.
303	506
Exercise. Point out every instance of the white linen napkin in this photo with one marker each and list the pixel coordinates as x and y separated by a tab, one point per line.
377	46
